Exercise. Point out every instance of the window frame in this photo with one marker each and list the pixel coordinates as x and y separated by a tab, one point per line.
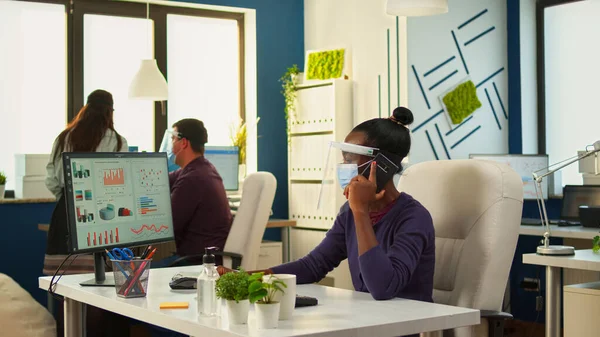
158	13
76	9
540	8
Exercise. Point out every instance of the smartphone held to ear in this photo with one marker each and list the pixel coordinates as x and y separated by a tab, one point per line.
385	170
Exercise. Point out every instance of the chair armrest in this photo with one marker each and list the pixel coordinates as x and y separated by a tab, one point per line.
236	259
495	321
493	315
188	260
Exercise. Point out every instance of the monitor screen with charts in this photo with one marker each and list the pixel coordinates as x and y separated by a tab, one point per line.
226	161
524	165
117	199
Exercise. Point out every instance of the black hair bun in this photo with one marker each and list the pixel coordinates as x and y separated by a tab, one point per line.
403	115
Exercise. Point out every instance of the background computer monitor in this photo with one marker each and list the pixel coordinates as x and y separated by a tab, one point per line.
578	195
226	161
524	165
116	199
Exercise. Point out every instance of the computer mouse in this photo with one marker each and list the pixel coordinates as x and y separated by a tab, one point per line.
183	283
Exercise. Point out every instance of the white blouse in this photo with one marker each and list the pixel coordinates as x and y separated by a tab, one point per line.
55	180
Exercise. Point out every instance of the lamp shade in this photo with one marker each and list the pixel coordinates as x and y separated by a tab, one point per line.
149	83
416	7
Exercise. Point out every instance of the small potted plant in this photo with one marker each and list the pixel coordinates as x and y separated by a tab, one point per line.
263	294
596	244
2	184
234	287
288	90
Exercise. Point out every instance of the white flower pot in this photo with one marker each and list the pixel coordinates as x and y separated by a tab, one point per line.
2	187
238	312
267	315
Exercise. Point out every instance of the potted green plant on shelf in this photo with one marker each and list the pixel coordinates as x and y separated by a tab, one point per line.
596	244
2	184
238	136
234	288
288	85
263	294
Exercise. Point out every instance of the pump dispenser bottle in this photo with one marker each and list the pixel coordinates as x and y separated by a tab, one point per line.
207	281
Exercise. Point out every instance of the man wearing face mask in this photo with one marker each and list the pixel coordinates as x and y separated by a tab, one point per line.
201	214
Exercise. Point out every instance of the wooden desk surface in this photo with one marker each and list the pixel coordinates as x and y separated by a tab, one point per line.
273	223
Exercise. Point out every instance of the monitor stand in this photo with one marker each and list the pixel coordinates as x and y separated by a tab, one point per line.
100	279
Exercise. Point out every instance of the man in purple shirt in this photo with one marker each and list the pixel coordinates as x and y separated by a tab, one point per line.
201	214
387	236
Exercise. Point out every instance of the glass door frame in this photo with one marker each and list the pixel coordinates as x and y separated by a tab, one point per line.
158	13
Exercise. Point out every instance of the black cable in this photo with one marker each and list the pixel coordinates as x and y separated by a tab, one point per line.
52	287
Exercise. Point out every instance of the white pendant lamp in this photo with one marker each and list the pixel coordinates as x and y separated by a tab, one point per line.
416	7
149	83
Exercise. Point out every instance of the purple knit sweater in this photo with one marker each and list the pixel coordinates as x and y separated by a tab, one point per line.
402	265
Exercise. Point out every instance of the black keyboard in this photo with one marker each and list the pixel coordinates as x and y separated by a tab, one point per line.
305	301
565	223
531	222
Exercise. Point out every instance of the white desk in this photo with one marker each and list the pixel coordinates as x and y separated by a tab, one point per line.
339	313
583	260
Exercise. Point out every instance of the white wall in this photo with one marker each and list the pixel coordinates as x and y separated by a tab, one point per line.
424	42
362	27
528	40
431	43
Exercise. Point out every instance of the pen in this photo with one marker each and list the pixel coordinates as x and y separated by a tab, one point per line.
151	254
145	253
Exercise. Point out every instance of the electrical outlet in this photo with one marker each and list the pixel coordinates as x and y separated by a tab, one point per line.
530	284
539	303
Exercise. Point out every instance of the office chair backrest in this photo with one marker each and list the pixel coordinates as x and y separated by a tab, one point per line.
476	207
251	219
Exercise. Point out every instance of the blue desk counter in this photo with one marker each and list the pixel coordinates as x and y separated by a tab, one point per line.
22	245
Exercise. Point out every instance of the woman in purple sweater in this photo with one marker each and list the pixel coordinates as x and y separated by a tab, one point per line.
387	237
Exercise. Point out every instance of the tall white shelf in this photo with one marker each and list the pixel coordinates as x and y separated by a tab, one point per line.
324	113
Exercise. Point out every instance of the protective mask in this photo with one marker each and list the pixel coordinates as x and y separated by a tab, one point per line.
345	173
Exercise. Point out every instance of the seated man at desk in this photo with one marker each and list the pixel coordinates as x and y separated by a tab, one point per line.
387	236
201	214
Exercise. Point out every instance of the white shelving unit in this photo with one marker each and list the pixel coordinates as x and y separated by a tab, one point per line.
324	113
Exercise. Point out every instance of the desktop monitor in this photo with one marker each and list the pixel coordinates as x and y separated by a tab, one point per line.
226	161
524	165
116	199
578	195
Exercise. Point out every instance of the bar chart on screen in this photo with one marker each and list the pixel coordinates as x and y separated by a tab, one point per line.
114	177
147	205
103	237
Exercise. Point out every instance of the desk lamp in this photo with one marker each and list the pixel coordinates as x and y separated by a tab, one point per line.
546	248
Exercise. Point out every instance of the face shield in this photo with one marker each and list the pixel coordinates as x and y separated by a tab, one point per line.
344	162
167	146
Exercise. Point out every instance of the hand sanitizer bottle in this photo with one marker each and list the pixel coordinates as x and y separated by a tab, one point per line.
207	282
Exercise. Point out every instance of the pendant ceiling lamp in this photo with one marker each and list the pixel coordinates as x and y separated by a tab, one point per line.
149	83
416	7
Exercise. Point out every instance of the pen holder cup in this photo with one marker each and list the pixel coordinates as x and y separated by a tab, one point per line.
131	277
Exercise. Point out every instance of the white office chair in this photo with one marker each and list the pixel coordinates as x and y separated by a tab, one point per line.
476	207
243	242
20	314
250	221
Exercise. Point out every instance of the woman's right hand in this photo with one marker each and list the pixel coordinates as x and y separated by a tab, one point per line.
223	270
